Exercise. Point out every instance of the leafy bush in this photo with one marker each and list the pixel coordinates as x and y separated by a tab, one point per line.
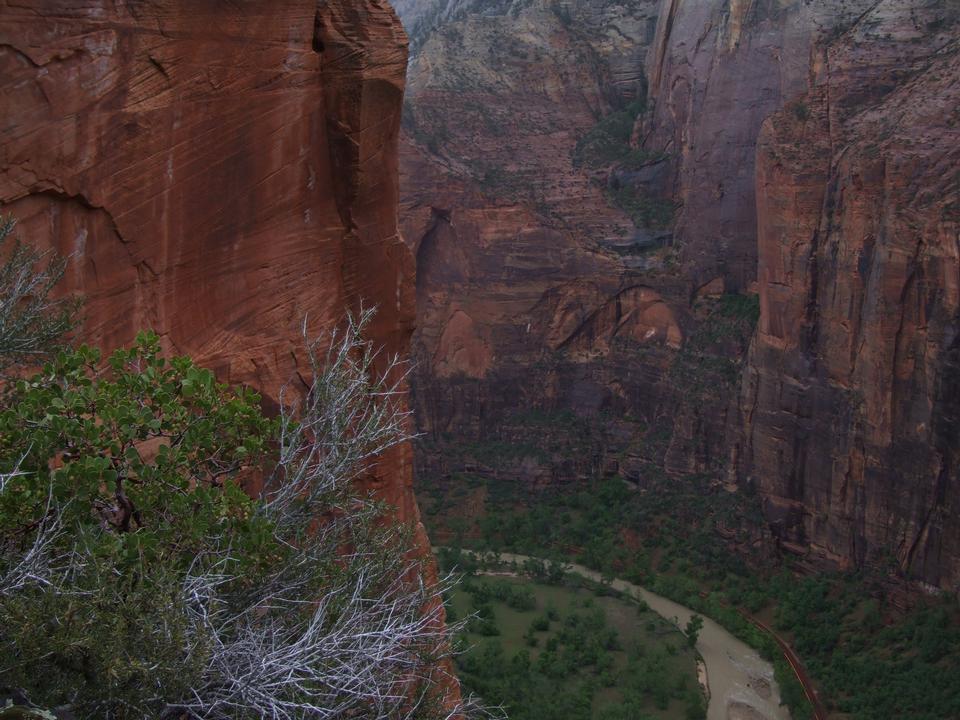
692	631
168	551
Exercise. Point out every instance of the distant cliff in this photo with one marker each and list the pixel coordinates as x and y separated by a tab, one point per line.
621	214
850	400
536	294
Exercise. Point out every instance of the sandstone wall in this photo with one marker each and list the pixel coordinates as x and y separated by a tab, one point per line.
717	70
535	306
217	171
849	403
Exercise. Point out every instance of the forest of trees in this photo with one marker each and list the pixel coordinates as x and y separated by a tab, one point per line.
871	659
551	649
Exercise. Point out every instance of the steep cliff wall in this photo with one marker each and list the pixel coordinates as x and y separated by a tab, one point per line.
217	171
551	315
850	399
551	309
717	70
839	422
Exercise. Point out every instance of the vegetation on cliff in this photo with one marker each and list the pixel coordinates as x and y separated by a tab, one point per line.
167	550
609	141
31	320
609	145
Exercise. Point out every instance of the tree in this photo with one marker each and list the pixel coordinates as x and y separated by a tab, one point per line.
696	707
31	322
694	626
141	574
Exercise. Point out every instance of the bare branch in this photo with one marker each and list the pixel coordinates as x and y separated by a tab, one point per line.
349	416
31	321
358	651
345	626
39	564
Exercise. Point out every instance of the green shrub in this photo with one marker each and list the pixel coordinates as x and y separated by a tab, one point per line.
138	578
608	142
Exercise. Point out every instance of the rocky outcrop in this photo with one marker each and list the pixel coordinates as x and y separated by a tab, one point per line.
217	172
850	398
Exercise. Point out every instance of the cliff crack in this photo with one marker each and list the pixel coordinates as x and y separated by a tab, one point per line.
159	67
318	44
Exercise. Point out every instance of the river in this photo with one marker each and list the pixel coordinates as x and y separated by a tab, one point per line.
741	682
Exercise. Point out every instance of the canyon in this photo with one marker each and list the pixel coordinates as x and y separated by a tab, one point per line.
714	239
709	248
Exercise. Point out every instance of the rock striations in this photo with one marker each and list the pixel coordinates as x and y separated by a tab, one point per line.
218	172
849	404
589	304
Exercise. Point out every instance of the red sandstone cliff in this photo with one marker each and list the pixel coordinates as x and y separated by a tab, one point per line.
537	286
217	171
840	206
850	402
533	306
551	317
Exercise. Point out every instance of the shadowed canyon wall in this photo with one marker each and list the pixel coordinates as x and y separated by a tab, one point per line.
549	320
217	172
849	403
754	281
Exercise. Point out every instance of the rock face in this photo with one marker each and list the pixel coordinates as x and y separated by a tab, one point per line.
543	303
717	71
850	401
421	16
218	172
806	151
